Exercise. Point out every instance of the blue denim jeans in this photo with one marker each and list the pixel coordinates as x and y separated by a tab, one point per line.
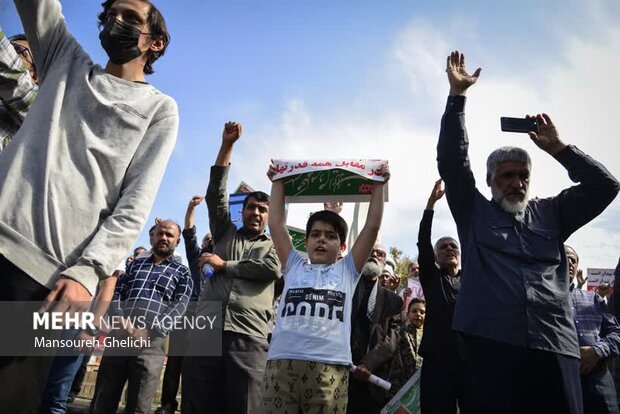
64	368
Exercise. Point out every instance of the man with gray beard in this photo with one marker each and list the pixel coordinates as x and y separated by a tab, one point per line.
513	307
375	333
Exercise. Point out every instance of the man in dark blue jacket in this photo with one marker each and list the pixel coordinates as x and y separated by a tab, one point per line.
513	306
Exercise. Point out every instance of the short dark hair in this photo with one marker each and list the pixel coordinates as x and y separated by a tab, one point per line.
157	28
413	302
138	248
259	196
331	218
19	36
169	221
152	229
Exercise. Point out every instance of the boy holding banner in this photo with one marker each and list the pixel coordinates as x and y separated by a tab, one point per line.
310	352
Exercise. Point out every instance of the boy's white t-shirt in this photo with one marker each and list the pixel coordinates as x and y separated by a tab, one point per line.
313	322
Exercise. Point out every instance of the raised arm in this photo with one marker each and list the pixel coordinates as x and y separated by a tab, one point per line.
453	145
426	254
47	33
192	249
368	236
217	197
597	188
277	217
232	132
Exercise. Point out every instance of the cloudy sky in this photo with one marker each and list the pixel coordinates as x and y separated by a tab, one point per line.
365	79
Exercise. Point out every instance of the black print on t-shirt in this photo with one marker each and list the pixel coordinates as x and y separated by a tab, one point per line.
321	303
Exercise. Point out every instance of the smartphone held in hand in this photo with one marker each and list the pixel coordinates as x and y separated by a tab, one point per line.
518	124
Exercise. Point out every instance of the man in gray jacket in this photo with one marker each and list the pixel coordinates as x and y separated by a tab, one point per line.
79	179
246	267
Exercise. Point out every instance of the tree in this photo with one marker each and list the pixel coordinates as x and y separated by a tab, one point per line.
402	262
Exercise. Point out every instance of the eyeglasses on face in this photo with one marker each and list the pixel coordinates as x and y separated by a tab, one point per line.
378	253
23	51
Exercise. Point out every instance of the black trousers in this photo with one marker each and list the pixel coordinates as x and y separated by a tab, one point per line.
178	342
141	372
443	386
509	379
228	384
599	392
22	379
361	398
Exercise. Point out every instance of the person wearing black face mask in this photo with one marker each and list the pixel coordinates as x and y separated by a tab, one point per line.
120	41
92	182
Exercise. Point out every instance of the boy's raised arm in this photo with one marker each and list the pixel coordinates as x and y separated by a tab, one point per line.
363	245
277	218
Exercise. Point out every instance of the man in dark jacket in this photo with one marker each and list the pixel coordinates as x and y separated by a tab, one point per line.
514	308
442	384
375	332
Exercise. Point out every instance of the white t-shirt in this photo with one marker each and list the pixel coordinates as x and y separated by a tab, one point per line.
313	322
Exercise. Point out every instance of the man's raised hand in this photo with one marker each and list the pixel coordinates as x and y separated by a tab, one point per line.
335	206
581	280
195	201
458	77
547	138
232	132
438	191
272	171
384	171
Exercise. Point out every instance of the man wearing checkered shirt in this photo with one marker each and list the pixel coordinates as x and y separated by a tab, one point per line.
598	332
18	84
154	287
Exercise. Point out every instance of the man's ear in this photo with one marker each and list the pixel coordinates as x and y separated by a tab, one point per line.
178	241
343	247
157	45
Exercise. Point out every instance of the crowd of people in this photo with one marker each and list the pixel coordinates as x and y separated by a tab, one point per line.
494	318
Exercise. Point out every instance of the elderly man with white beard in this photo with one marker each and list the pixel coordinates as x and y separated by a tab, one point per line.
375	333
513	308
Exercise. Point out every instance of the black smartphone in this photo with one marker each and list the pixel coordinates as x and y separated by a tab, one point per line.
519	124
